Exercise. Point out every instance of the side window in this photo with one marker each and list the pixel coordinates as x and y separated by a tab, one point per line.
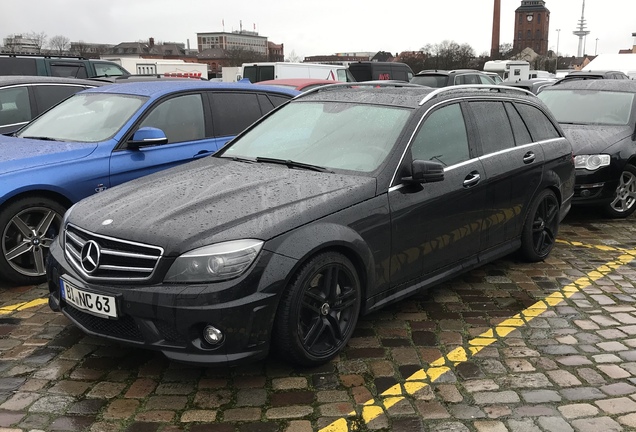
442	137
540	126
278	100
107	69
72	70
48	95
233	112
493	126
181	118
519	129
266	104
15	106
485	80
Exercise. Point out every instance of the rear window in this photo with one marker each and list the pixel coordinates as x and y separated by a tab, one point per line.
258	73
430	80
17	66
589	106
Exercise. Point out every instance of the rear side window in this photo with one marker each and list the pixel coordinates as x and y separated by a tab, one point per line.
15	106
107	69
48	95
442	137
277	100
519	129
540	126
493	126
72	70
234	112
18	66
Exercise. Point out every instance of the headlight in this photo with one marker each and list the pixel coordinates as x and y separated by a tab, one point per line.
591	162
215	262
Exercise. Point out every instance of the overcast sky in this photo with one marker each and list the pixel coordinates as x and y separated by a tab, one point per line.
319	27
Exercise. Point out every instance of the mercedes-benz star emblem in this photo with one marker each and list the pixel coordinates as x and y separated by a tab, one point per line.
90	255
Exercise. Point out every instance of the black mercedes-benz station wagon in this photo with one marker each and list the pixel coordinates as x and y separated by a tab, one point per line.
346	199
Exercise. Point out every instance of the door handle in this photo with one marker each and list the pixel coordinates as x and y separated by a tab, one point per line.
529	157
472	179
203	153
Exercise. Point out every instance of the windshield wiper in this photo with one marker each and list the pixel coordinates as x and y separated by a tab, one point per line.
293	164
39	138
237	159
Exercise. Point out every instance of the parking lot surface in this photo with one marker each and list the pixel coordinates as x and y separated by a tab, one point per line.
511	346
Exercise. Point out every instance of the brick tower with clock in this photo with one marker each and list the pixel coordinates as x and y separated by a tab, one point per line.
532	26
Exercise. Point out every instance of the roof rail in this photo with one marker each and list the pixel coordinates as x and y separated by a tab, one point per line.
378	83
481	87
48	55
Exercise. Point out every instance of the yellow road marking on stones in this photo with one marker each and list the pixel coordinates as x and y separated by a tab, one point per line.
21	306
421	379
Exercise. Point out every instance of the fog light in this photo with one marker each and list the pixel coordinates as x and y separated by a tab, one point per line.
212	335
585	193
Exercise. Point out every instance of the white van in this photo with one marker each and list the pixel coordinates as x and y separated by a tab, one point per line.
265	71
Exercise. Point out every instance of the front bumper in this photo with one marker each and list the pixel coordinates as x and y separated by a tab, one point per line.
596	187
171	318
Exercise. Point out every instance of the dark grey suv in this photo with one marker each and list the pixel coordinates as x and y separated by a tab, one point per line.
443	78
346	199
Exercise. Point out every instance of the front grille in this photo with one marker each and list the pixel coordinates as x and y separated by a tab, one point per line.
169	333
118	259
122	328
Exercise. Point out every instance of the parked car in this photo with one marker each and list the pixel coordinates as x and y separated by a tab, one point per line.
599	118
102	137
346	199
60	66
594	75
25	97
534	85
443	78
374	71
300	84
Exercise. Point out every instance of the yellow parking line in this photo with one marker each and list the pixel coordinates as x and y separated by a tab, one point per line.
373	408
21	306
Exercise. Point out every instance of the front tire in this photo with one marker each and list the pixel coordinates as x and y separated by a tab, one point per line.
28	227
541	227
624	202
319	310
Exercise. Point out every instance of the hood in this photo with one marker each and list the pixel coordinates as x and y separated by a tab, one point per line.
592	139
214	200
21	154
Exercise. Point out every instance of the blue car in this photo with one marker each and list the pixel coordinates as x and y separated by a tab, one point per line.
101	137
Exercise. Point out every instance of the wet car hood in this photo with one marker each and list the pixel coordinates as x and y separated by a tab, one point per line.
214	200
21	153
590	139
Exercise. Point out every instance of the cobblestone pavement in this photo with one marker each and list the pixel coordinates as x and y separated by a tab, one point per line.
508	347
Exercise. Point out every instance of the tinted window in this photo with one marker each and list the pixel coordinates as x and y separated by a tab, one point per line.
442	137
540	126
519	129
18	66
14	105
48	95
430	80
467	79
233	112
181	118
73	70
266	104
361	72
493	126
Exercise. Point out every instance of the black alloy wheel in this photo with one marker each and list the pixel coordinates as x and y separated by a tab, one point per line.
541	227
624	202
319	310
28	227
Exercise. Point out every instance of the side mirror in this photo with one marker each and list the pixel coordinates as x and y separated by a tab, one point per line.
147	136
424	171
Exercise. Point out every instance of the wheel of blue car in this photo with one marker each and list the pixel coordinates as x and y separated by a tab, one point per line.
28	227
624	202
319	310
541	227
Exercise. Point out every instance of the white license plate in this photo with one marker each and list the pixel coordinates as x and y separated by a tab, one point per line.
96	304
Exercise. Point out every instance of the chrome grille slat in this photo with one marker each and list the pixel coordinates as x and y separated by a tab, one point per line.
119	259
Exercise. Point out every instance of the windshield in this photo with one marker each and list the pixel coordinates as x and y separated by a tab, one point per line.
589	106
333	135
84	117
436	81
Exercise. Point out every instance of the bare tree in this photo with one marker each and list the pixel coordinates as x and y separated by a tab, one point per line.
59	44
80	48
238	56
449	55
293	57
38	39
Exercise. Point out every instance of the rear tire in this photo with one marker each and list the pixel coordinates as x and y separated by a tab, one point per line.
27	229
319	310
541	227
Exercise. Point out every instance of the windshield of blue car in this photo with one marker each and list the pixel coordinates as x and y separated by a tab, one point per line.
334	135
84	117
591	107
